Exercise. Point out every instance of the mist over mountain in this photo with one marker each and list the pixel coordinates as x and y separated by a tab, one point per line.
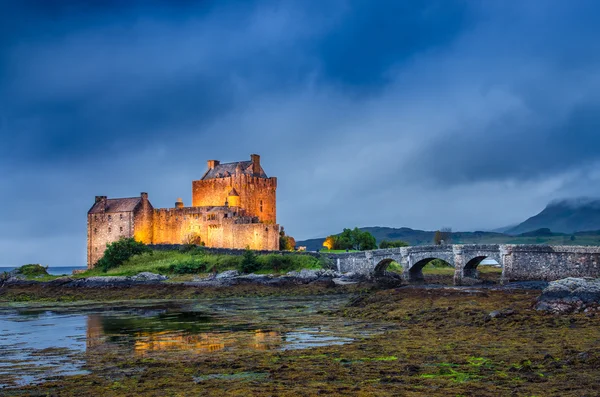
554	225
564	216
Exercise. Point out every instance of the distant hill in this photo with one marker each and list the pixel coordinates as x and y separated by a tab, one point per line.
563	216
422	237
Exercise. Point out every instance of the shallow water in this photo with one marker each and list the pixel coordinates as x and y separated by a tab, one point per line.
37	344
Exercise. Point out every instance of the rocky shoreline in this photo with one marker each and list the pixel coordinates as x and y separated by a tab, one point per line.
570	295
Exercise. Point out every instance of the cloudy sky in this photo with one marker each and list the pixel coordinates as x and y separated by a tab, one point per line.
425	114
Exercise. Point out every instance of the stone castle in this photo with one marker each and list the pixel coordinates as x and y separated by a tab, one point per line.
233	206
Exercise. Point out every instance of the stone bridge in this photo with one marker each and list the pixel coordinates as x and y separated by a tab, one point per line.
518	262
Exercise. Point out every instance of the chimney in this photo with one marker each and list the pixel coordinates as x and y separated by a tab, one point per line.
212	164
179	203
255	163
144	196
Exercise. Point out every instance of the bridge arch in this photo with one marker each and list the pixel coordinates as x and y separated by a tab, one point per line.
383	265
415	271
473	260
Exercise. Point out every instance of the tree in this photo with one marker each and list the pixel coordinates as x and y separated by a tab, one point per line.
286	243
119	251
351	239
443	236
393	244
249	262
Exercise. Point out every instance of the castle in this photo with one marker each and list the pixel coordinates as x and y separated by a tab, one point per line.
233	206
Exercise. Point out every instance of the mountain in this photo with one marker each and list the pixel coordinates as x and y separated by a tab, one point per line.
415	237
563	216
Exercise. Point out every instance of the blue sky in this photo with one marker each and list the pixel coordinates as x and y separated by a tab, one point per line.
425	114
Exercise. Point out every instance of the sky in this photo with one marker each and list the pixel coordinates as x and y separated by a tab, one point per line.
424	114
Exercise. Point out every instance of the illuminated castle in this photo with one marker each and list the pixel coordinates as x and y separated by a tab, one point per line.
233	206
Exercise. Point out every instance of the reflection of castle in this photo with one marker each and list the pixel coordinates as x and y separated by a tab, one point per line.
173	340
233	206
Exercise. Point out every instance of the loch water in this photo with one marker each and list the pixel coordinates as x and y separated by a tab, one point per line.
43	342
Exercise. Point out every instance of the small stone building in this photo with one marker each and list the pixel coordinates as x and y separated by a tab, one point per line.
233	206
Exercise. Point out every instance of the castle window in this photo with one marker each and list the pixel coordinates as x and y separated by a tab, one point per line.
109	218
95	230
95	217
96	249
121	216
196	216
225	216
121	229
109	229
261	206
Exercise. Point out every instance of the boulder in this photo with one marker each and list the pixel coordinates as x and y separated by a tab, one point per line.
570	295
227	274
148	276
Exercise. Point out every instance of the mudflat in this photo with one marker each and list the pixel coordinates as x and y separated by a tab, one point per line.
429	340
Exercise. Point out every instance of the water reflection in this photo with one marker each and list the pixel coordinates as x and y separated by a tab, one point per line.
39	345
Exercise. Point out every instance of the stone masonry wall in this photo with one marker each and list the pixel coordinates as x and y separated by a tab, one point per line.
257	195
104	229
543	262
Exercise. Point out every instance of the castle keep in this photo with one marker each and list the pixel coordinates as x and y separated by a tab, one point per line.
233	206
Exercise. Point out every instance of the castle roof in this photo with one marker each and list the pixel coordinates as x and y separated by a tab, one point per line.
233	192
127	204
228	169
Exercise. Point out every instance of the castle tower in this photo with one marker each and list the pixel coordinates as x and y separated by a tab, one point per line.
256	191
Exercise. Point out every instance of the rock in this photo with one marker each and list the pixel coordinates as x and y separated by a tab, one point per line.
227	274
306	274
147	276
570	295
328	273
343	281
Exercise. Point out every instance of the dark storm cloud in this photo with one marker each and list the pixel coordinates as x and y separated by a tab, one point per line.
369	112
376	36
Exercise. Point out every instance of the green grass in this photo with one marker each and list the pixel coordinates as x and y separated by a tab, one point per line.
167	262
323	251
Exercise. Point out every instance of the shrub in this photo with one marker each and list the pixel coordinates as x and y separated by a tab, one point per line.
189	267
249	262
119	251
33	270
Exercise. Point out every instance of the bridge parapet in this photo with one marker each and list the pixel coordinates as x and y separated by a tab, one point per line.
519	262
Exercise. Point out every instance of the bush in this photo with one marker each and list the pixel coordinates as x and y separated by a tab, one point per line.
33	270
189	267
119	251
249	262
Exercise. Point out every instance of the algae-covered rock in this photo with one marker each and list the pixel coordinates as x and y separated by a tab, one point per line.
570	295
227	274
148	276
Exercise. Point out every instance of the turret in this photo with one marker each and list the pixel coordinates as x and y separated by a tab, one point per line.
233	198
179	203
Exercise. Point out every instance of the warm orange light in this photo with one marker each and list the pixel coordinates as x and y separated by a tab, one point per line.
328	243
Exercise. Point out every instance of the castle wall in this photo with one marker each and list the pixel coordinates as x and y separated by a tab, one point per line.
143	230
257	195
106	228
222	228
